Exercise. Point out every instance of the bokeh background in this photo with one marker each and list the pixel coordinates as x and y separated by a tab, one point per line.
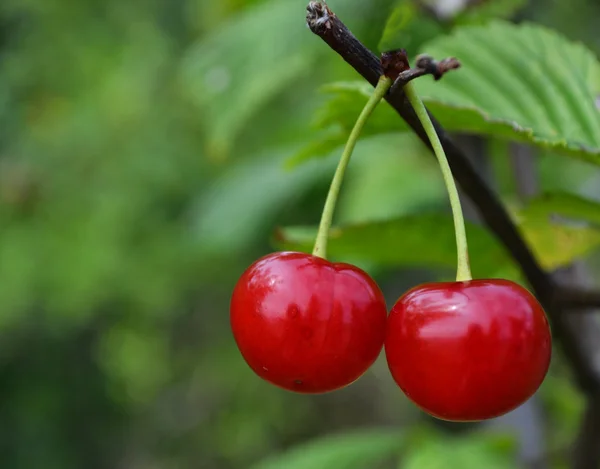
142	169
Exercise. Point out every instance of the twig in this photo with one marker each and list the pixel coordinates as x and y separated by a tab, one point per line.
425	65
325	24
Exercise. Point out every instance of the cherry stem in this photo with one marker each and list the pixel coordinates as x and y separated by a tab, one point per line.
381	89
463	271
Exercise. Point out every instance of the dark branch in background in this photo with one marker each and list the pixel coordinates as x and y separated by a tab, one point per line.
577	298
323	22
586	453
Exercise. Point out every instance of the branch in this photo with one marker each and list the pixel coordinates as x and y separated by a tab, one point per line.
325	24
577	299
586	452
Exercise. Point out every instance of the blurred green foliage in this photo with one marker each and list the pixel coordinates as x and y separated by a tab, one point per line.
148	149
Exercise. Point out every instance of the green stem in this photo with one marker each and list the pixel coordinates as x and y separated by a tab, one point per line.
463	271
381	89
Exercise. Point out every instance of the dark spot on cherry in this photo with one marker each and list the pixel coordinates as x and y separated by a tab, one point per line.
293	311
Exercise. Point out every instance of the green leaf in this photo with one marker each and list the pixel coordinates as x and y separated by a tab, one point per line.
233	210
555	225
483	12
390	175
335	118
556	244
521	82
321	145
565	207
428	240
408	27
480	450
234	72
417	240
357	450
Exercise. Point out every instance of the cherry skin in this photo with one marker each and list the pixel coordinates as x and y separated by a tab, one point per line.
468	351
306	324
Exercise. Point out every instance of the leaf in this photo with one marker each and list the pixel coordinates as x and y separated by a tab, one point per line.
480	450
557	245
231	74
390	175
356	450
564	207
337	116
521	82
321	145
483	12
233	210
428	240
416	240
408	27
557	229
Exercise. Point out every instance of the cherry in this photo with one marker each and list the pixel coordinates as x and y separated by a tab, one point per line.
306	324
467	351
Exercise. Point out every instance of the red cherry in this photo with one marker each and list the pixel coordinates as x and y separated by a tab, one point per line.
306	324
468	351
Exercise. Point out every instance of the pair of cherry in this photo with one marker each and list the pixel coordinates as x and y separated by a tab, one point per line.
463	351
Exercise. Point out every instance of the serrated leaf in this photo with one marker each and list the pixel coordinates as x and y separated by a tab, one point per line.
356	450
246	62
521	82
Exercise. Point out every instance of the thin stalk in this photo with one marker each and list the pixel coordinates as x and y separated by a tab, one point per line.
463	271
381	89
